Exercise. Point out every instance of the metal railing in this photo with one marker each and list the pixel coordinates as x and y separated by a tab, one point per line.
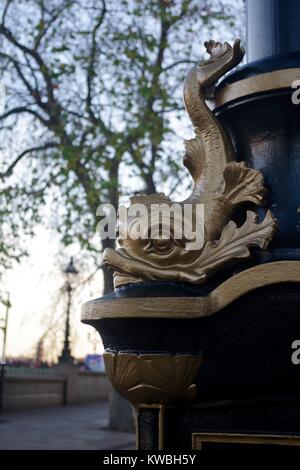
22	371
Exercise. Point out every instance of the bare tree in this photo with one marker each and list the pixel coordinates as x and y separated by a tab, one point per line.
93	100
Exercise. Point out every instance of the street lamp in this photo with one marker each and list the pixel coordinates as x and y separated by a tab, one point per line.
66	356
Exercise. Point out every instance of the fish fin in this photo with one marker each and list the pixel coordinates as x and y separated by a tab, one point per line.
242	184
194	157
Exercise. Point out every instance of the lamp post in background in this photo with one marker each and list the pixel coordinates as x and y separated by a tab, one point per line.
3	327
66	356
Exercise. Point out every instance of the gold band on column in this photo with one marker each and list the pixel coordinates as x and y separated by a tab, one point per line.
195	307
271	81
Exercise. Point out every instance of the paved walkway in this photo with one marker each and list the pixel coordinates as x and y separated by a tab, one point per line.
68	428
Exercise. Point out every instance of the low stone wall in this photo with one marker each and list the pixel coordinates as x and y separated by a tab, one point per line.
66	385
92	386
33	392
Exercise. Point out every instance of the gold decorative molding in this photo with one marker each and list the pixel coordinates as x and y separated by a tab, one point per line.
220	184
270	81
153	378
195	307
200	438
161	423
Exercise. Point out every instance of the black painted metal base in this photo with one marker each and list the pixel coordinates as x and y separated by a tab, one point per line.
247	347
257	416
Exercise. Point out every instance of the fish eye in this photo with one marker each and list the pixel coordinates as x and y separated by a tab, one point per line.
162	245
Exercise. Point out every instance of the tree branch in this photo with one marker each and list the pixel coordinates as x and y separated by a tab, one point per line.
90	68
41	190
36	56
54	17
34	92
24	109
11	167
5	10
184	61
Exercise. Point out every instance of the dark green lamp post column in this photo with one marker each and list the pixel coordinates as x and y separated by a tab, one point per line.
254	103
66	356
272	28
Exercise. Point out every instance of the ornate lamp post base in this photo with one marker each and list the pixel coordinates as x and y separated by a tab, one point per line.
178	355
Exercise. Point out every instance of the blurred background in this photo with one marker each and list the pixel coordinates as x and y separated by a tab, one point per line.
91	112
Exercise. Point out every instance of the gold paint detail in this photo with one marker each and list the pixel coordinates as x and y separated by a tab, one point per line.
153	378
220	184
199	438
265	82
161	423
195	307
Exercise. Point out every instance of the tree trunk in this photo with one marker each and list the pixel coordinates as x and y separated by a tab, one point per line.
120	410
108	285
120	413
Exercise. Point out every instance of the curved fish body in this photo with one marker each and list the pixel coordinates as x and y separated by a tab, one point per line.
219	183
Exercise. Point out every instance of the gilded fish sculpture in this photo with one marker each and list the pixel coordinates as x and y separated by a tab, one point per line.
220	183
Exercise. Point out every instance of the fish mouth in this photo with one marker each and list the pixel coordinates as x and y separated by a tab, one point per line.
128	270
123	266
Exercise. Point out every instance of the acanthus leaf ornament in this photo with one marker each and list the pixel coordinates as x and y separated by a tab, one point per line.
153	378
234	243
220	184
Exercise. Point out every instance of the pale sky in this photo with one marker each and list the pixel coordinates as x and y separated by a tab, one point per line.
35	287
